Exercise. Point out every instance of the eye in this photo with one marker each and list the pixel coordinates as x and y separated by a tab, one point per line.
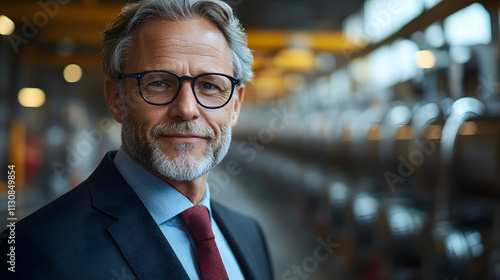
163	86
208	86
158	84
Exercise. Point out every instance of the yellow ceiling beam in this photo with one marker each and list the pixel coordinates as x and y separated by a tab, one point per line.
43	13
83	22
267	39
331	41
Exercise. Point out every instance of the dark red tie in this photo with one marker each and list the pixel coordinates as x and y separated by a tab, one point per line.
198	221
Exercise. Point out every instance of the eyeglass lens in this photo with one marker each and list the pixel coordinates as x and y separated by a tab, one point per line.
211	89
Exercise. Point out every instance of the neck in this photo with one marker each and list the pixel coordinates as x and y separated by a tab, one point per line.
193	190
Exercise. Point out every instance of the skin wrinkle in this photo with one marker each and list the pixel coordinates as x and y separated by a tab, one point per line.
177	42
180	51
161	45
194	72
177	58
192	47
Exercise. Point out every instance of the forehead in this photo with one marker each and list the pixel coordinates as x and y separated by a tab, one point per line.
160	42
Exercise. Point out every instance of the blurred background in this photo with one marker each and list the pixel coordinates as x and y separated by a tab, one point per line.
368	145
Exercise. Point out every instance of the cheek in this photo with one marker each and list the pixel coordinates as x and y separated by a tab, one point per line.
145	119
132	98
218	121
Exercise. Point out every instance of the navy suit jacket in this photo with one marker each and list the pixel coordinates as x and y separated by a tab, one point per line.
102	230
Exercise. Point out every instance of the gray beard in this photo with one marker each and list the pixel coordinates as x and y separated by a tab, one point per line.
183	167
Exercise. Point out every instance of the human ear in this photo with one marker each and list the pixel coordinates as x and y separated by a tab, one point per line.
112	95
240	92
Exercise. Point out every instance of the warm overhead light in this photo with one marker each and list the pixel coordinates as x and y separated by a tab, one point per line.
296	60
425	59
7	26
72	73
31	97
268	83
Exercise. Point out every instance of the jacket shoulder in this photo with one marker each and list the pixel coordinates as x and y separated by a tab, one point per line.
69	204
57	235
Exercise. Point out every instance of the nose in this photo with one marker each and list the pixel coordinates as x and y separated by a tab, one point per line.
184	107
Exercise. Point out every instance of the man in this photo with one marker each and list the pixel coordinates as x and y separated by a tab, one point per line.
175	80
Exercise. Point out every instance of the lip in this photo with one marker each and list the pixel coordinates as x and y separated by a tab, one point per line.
183	137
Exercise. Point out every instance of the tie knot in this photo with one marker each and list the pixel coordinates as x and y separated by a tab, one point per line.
198	221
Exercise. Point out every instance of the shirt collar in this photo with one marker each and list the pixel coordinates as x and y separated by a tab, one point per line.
162	200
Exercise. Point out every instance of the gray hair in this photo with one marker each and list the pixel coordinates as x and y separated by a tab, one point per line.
118	36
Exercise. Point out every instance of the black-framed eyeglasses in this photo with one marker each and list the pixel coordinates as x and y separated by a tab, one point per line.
159	87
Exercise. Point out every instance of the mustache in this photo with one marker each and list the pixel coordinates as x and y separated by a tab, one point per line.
182	128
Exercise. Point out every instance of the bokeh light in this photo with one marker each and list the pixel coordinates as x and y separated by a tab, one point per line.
7	26
31	97
425	59
72	73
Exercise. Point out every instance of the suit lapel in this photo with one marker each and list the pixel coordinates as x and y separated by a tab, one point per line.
237	240
135	232
145	248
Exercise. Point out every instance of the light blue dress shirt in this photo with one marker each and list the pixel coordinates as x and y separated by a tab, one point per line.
164	203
